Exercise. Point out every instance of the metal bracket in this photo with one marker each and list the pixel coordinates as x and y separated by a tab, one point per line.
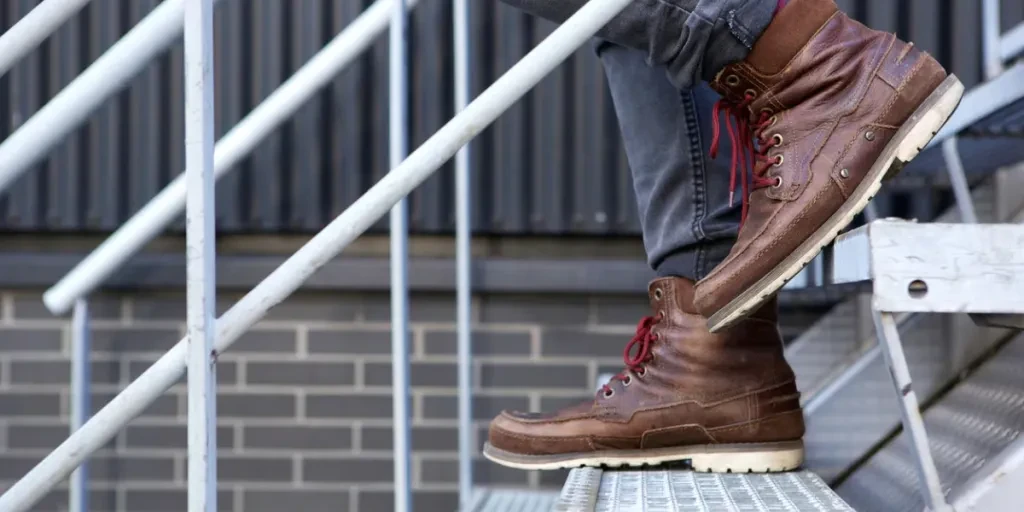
934	268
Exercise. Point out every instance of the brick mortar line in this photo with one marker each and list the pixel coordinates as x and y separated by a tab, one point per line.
6	308
302	341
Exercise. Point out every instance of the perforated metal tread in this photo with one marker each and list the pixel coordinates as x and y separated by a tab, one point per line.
969	426
511	500
1006	122
680	490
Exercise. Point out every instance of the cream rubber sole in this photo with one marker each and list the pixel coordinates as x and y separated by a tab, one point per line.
711	458
908	141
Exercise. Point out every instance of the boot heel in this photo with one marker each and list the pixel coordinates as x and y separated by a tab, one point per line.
751	458
927	121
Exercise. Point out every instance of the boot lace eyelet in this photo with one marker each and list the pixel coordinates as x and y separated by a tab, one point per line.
778	182
750	92
778	139
627	381
642	372
772	120
610	393
657	293
732	80
778	160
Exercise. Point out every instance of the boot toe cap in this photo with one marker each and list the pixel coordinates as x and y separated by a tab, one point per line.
533	434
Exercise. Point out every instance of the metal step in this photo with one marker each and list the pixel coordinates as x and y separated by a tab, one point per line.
681	490
510	500
974	435
860	407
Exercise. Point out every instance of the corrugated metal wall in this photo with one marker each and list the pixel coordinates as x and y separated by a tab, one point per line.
537	171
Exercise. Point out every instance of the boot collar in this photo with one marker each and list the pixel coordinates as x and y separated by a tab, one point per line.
789	31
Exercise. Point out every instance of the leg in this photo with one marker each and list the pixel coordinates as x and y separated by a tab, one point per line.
647	414
691	39
687	222
835	108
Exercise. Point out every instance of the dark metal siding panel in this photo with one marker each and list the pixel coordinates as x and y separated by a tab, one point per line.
230	41
66	169
1012	13
552	165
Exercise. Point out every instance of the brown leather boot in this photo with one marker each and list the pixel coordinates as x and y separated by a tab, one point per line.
724	402
835	107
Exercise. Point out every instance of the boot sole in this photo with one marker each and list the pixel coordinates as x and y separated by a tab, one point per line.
908	141
709	458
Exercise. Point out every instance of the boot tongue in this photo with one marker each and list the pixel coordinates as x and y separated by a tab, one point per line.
788	32
672	297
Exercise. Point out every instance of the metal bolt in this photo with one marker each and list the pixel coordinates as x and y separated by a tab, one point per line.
845	173
869	135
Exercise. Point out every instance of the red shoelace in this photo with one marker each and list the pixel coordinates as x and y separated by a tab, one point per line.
743	151
634	363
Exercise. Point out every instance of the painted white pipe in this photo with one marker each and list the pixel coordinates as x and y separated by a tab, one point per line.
159	212
398	65
200	255
73	104
323	247
81	394
33	28
460	24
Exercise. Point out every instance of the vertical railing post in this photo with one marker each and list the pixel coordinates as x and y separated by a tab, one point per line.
200	255
509	88
463	223
991	38
399	130
81	380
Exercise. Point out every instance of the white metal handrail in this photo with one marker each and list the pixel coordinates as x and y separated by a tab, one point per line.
153	34
491	103
104	77
33	28
235	145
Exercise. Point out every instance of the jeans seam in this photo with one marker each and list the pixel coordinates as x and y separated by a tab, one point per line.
699	192
737	27
677	47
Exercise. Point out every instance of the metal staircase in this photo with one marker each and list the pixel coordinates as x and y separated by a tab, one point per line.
964	452
957	458
974	431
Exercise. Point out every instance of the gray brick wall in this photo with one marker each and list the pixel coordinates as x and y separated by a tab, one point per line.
304	399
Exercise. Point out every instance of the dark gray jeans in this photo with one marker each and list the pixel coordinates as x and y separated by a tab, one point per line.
683	195
657	55
690	39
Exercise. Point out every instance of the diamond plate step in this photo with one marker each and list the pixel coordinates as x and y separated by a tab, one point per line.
969	428
680	490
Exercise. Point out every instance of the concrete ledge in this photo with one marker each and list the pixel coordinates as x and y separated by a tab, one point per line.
490	275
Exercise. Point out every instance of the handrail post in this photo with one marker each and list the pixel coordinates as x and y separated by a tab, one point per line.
327	244
991	39
463	222
200	236
399	132
81	392
238	142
